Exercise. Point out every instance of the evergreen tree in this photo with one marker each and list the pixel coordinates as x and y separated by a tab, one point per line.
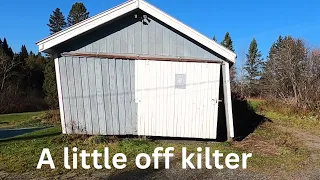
214	38
6	49
23	55
227	42
35	64
276	45
77	13
8	64
49	85
56	21
56	24
253	66
21	68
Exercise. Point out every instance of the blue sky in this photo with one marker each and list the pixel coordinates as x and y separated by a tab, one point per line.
24	22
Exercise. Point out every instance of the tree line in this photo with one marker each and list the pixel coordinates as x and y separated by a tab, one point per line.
290	72
28	80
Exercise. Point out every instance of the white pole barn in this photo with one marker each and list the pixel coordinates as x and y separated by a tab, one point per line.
135	70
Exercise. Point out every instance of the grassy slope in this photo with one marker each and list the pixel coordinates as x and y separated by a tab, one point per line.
20	120
273	151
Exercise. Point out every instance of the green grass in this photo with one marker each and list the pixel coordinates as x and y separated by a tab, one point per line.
255	103
310	123
274	151
288	116
20	120
22	154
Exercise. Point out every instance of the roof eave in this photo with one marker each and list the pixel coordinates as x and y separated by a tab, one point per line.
86	25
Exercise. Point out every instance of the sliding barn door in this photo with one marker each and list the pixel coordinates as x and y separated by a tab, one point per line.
177	99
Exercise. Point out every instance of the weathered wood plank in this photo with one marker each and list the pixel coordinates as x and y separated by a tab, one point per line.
114	98
144	39
133	103
158	39
180	46
116	42
93	95
123	40
107	95
127	96
152	38
74	123
65	94
165	42
100	99
172	44
86	95
140	57
130	39
79	95
138	38
121	96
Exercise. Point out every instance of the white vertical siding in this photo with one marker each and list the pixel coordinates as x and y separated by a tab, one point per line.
164	110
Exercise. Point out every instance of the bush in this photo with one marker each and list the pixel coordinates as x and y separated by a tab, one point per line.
51	117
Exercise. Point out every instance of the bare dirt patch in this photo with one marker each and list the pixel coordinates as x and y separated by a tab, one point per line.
311	141
258	145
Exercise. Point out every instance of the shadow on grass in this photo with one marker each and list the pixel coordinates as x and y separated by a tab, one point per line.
8	133
245	119
34	134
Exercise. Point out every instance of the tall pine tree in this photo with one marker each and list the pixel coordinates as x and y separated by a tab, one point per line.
57	21
23	55
6	49
214	38
228	43
253	67
77	13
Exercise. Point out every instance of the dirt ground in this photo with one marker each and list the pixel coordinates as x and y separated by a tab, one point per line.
312	142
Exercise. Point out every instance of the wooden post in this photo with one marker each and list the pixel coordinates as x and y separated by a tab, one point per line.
58	79
227	99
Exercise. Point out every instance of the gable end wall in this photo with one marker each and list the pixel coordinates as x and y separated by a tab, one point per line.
131	36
